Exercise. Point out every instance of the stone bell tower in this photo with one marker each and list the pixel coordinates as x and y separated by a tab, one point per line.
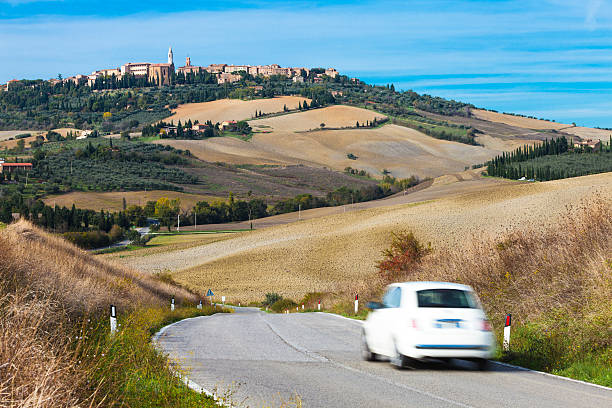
170	56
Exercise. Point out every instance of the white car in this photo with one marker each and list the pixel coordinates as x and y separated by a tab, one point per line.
421	320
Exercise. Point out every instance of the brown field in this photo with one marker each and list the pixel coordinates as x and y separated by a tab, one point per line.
64	131
518	121
228	150
337	253
403	151
169	243
335	116
528	123
232	109
10	144
113	201
589	133
7	134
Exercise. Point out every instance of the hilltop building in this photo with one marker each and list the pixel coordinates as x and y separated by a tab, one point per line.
162	73
138	69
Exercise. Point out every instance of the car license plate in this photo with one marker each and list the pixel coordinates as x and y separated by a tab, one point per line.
447	324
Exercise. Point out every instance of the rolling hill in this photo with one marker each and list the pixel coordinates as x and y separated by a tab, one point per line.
337	252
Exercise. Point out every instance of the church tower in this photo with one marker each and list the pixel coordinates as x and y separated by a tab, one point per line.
170	56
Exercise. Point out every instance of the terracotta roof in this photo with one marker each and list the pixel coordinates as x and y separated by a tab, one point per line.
16	164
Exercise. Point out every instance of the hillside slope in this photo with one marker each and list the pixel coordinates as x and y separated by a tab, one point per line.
297	138
338	252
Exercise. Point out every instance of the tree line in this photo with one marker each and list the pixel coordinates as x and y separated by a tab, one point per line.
551	160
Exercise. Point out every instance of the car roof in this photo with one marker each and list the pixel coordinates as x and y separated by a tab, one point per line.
422	285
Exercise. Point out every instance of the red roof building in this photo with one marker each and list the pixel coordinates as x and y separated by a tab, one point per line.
10	167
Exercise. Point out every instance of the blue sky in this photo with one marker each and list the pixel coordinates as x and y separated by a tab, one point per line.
550	58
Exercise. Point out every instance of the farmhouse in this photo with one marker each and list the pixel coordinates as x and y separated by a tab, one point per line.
11	167
593	144
199	127
228	125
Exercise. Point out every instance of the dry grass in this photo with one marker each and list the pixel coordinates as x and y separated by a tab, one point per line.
533	271
48	288
113	201
232	109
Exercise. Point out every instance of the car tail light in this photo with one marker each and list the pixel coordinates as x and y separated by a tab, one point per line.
486	325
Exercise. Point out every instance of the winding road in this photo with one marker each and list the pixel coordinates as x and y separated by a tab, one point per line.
271	358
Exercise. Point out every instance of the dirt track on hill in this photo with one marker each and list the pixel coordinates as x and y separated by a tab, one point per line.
339	251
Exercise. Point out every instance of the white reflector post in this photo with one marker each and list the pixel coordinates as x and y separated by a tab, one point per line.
302	306
172	305
113	319
507	332
319	306
200	305
356	303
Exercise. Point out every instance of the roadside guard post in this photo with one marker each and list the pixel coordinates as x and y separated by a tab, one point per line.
302	306
223	300
172	305
210	294
200	305
507	332
356	302
113	319
319	305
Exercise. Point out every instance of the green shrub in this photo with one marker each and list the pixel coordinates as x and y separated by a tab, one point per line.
271	298
88	239
282	305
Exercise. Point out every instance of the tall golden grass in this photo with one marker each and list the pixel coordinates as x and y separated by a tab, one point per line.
49	289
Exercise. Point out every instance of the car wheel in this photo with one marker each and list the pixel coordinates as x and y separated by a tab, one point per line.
366	353
399	360
482	364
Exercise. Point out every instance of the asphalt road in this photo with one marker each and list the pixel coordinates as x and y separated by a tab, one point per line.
266	359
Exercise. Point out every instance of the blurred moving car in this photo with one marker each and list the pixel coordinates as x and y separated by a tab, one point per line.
420	320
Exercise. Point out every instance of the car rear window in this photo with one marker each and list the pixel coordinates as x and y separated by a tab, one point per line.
448	298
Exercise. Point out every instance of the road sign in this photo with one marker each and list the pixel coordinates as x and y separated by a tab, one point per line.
210	293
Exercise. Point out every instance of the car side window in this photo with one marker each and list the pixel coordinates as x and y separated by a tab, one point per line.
392	298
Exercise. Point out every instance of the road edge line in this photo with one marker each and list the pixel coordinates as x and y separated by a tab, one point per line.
189	383
551	375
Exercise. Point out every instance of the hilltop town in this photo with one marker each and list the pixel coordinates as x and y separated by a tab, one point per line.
162	73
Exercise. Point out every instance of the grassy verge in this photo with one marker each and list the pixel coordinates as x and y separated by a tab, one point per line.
112	250
54	328
561	346
128	370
